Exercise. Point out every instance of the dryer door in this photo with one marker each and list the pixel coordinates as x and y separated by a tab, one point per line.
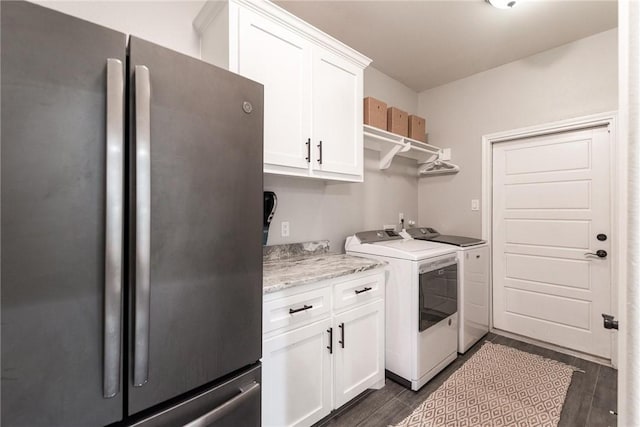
438	294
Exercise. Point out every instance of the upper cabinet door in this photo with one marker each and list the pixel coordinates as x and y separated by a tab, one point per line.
337	115
281	60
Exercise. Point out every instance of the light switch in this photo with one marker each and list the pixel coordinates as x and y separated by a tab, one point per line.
475	204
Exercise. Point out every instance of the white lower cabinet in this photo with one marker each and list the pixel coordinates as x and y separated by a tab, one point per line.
359	358
296	376
317	363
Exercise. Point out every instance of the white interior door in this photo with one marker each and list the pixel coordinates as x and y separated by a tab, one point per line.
281	60
551	200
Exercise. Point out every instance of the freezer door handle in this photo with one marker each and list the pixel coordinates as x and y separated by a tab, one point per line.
142	224
214	415
114	206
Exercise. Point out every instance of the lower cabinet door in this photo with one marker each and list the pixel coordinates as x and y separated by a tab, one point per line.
297	376
359	351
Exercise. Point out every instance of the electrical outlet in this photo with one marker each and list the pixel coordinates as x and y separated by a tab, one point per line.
400	217
475	204
284	229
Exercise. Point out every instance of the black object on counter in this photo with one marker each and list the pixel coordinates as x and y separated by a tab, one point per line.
270	203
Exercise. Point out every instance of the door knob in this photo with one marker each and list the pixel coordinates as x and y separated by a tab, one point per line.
599	253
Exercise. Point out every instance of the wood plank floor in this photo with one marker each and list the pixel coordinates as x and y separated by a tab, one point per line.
590	397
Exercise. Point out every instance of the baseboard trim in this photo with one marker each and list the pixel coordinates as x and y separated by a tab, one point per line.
559	349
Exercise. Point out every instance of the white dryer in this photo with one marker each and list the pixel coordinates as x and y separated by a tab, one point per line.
473	291
421	333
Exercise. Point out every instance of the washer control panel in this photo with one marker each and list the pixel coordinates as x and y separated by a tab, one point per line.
378	236
422	232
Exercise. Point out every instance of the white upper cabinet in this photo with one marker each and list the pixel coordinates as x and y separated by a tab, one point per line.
287	106
313	86
337	112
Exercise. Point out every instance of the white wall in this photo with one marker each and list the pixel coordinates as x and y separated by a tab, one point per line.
320	210
395	94
573	80
167	23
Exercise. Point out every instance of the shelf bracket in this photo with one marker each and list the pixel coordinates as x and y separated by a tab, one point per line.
387	155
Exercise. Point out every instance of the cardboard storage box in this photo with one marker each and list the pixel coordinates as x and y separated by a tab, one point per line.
397	121
375	113
417	128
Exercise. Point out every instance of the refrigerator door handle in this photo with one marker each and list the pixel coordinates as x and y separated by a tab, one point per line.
215	414
142	224
114	206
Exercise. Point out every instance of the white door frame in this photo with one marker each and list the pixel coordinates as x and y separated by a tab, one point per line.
629	141
617	191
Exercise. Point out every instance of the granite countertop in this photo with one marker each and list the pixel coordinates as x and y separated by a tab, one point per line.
286	266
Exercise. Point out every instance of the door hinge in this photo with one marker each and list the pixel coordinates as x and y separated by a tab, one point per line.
609	323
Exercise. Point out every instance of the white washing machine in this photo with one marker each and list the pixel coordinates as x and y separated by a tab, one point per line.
473	291
421	336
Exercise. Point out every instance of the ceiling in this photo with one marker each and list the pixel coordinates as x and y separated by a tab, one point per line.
427	43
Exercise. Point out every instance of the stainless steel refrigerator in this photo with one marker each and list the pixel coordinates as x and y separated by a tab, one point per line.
131	215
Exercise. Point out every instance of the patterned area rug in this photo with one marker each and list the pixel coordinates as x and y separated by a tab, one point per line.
497	386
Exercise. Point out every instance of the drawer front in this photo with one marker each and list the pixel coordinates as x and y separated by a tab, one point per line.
296	310
353	292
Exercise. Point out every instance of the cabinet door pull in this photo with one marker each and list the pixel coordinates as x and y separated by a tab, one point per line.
341	326
320	152
330	346
308	144
359	291
297	310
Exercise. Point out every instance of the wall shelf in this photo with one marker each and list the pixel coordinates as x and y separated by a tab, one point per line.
390	145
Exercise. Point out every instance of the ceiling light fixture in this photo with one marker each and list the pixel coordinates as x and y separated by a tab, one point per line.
503	4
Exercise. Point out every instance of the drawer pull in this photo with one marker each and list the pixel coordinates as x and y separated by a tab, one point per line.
362	290
341	326
297	310
330	346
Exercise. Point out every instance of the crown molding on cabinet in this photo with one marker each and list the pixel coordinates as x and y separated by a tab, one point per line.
268	9
205	17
